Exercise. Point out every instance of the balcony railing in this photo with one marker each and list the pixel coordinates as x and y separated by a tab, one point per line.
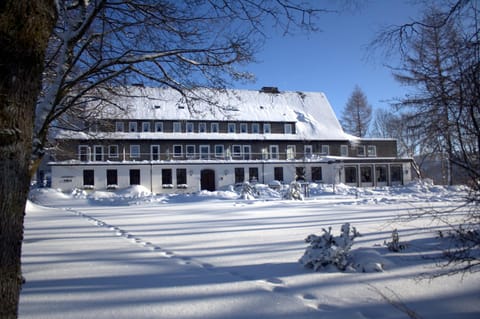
169	156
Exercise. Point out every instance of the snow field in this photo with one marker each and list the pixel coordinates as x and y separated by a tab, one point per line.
211	256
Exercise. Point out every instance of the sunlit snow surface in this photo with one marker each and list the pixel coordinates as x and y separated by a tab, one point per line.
133	254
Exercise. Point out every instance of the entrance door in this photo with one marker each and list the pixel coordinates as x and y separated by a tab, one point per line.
207	180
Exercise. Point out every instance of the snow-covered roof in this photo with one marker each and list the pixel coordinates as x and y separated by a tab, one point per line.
311	112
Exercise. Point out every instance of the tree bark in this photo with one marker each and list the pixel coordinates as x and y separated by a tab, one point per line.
25	27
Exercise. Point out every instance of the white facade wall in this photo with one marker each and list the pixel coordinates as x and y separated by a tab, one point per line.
67	177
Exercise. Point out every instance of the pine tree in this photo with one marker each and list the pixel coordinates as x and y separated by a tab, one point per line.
357	113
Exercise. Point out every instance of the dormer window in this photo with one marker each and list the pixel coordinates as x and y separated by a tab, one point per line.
158	126
288	128
255	128
267	129
145	126
119	127
214	128
231	127
243	128
132	126
202	127
177	127
189	127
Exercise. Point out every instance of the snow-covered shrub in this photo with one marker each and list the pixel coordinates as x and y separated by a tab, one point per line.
328	249
248	191
294	191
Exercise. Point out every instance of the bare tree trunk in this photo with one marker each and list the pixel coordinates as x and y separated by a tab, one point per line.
25	27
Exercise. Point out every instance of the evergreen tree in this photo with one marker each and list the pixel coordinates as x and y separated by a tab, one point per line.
357	114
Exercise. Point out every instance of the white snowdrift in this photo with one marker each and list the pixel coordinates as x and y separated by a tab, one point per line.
133	254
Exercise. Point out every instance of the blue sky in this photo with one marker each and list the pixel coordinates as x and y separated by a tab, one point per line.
335	60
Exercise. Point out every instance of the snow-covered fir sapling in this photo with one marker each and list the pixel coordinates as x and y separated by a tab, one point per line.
294	191
327	249
395	244
248	191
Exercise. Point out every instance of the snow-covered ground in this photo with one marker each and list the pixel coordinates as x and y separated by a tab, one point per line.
131	254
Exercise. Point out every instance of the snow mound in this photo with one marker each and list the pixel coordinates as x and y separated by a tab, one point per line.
369	260
135	191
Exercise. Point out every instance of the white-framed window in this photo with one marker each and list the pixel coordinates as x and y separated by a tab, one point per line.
255	128
231	127
132	126
267	128
190	151
177	127
202	127
145	126
288	128
219	150
236	150
204	151
158	126
134	151
291	152
214	128
113	151
274	152
264	153
154	152
361	150
243	128
177	150
371	150
308	151
247	152
344	150
189	127
98	153
325	150
119	127
84	153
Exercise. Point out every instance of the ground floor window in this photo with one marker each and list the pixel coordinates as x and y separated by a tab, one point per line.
112	177
381	174
88	177
239	175
396	174
166	176
300	173
366	174
350	175
253	174
181	176
278	173
317	174
134	177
